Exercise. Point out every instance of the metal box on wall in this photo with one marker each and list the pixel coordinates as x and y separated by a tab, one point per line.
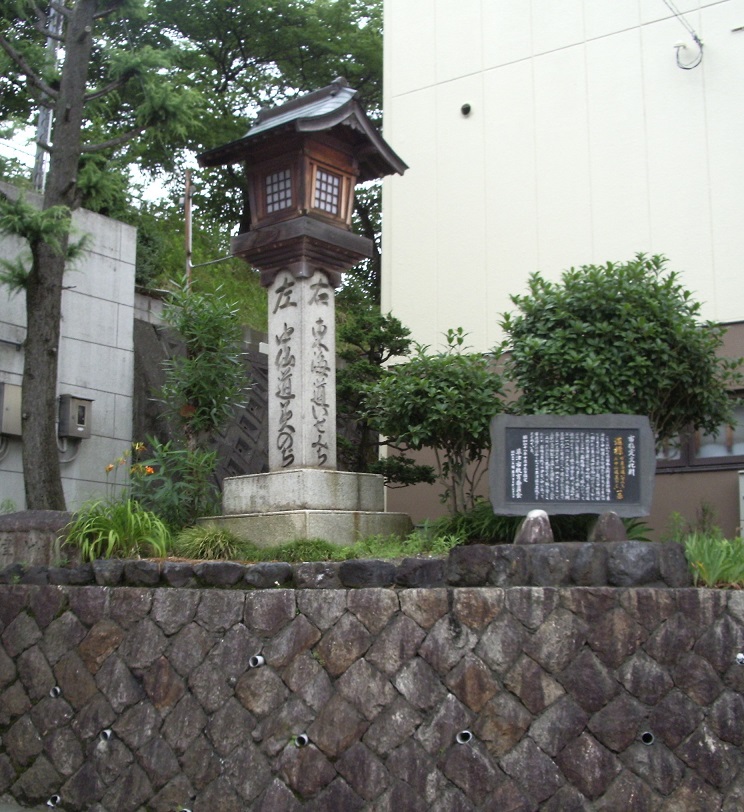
11	416
74	416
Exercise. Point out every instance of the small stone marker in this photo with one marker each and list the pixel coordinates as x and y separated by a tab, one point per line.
535	529
571	464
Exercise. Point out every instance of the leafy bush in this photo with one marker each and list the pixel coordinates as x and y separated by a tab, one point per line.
203	387
620	338
117	529
367	340
176	483
443	401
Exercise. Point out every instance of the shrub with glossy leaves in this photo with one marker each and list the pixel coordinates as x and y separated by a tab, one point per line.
620	338
443	401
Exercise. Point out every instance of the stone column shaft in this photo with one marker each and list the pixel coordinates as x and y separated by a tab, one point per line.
302	372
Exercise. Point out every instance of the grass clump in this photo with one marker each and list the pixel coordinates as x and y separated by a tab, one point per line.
715	560
209	544
117	529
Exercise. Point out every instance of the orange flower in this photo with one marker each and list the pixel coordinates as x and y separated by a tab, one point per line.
109	468
149	470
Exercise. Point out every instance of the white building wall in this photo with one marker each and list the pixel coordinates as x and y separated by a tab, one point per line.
96	359
585	143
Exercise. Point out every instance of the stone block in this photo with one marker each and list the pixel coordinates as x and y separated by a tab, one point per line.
368	689
656	765
633	563
501	725
220	573
335	526
268	611
366	573
560	724
374	607
268	574
469	767
342	645
589	766
303	489
536	774
674	718
552	564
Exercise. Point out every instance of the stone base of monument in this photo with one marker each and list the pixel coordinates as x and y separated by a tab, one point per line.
307	503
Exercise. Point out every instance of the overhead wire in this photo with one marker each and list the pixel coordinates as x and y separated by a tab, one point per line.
691	31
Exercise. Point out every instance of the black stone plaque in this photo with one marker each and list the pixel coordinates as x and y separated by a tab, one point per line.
572	464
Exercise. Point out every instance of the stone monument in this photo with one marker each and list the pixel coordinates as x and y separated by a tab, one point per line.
303	160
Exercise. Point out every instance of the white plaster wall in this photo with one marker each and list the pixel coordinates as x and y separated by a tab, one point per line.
96	358
586	143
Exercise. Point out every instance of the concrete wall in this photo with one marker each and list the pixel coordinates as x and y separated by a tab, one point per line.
96	359
605	699
585	143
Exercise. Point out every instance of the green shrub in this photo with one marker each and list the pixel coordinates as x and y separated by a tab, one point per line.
443	401
176	483
620	338
117	529
203	386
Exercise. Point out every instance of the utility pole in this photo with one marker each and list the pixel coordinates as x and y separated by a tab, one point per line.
44	123
187	218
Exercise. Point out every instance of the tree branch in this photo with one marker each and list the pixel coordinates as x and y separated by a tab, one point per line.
108	89
47	32
60	9
26	69
113	142
106	11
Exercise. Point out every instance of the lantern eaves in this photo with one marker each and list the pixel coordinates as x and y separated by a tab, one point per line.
333	106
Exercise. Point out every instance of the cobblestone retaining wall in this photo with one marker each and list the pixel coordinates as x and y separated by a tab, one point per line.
616	699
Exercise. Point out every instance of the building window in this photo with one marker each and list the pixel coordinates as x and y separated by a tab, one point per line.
694	450
278	191
327	191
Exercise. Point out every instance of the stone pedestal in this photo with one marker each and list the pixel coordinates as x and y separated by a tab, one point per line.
301	503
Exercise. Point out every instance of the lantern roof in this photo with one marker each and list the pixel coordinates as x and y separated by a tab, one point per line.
333	107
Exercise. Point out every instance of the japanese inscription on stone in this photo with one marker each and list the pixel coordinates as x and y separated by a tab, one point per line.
284	362
321	371
571	464
302	372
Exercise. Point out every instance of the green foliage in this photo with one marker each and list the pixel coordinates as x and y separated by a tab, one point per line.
622	339
21	219
637	530
175	483
479	523
117	529
714	560
401	471
704	523
212	543
443	401
203	387
367	340
209	544
7	506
